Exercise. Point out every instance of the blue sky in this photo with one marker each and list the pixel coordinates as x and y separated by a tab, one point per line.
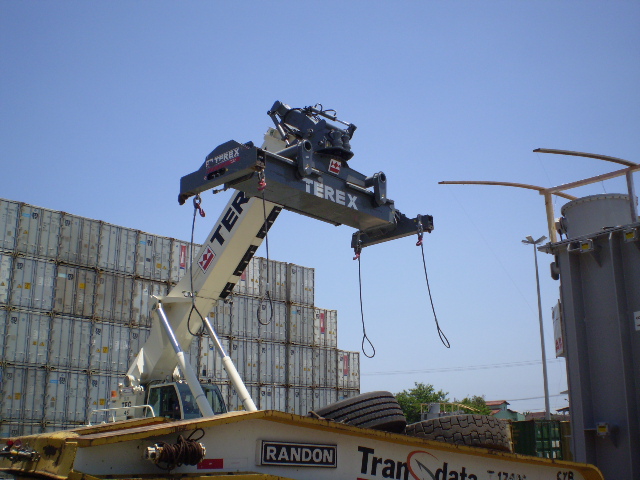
105	105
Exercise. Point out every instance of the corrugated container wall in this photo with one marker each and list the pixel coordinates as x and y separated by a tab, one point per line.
74	312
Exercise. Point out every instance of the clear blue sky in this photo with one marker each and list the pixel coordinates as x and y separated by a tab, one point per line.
105	105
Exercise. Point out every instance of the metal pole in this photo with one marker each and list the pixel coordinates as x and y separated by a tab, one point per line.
230	368
547	414
183	363
547	408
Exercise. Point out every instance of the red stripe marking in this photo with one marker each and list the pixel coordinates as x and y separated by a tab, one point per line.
211	464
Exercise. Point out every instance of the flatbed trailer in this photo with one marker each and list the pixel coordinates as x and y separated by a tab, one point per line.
269	444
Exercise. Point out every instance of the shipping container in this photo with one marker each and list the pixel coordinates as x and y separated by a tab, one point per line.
153	257
74	292
102	388
70	343
143	290
113	297
252	317
180	259
325	328
211	368
324	396
117	249
66	397
325	367
233	401
79	240
300	365
245	354
273	279
32	284
348	370
301	281
6	268
38	232
26	337
9	213
301	319
272	363
249	283
299	400
272	397
343	393
540	438
220	316
23	391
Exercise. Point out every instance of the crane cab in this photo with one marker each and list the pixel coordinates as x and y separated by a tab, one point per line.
175	400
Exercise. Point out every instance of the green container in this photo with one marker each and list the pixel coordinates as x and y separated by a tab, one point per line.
539	438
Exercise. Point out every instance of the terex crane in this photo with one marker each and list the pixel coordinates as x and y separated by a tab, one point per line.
307	172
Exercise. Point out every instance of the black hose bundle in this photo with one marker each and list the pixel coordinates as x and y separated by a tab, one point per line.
187	451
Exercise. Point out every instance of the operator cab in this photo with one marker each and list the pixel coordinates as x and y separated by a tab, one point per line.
175	400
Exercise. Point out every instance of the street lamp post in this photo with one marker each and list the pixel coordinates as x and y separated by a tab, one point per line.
530	241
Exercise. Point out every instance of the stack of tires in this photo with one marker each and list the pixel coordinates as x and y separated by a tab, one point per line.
381	411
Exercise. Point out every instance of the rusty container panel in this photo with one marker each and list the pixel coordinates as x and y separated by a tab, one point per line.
153	257
300	320
26	338
79	240
32	284
301	284
9	215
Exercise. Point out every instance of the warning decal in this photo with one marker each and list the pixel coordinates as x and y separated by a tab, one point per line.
206	259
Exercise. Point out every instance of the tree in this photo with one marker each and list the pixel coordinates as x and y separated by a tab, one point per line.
478	403
411	399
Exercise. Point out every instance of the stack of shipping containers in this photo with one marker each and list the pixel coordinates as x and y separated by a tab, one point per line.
74	298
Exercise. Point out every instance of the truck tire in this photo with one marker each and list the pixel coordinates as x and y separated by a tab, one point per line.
377	410
471	430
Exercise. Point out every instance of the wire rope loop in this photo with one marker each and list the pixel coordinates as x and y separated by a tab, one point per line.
364	332
443	337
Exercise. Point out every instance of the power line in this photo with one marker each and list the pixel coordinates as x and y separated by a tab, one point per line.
525	363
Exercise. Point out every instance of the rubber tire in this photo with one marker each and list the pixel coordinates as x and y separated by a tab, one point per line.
471	430
377	410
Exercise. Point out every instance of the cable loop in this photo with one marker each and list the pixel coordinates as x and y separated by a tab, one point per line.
364	332
443	337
